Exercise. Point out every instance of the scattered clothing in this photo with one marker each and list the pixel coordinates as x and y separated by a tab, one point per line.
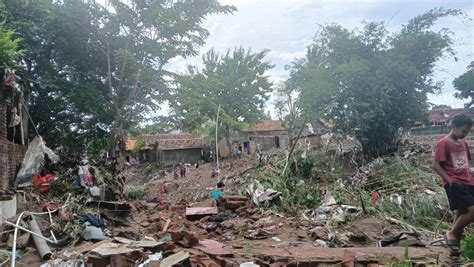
94	220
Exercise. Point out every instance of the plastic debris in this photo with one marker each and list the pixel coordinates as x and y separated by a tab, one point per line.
33	160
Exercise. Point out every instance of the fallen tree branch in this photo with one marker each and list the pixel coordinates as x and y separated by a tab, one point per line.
294	145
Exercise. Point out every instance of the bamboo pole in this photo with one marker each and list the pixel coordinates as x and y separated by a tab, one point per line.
217	145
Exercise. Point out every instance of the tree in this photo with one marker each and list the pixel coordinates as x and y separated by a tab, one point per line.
370	82
236	80
442	106
9	48
287	105
464	84
101	70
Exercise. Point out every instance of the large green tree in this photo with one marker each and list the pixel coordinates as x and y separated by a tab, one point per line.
9	48
237	81
371	82
100	70
464	84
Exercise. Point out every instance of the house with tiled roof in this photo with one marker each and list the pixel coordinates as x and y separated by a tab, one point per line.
168	149
268	134
443	116
438	121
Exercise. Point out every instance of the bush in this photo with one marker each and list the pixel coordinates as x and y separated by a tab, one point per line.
467	247
135	192
152	168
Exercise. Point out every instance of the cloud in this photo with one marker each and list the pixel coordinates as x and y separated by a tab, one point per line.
288	27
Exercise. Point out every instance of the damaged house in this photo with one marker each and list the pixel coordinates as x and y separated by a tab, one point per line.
268	134
13	124
168	149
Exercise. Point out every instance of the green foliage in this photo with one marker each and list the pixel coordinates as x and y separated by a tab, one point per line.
152	168
135	192
9	48
139	145
406	262
235	80
102	67
464	84
298	192
370	82
467	247
397	176
287	105
442	106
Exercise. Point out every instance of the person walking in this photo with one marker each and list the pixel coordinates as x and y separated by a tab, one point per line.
451	163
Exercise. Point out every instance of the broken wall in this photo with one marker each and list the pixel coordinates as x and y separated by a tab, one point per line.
11	154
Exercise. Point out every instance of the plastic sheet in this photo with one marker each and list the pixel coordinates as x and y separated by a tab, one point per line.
33	161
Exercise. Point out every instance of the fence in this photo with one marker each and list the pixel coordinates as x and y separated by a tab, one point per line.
430	130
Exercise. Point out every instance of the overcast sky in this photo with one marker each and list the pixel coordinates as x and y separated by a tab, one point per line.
286	27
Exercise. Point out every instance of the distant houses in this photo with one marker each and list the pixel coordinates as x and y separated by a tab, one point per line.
268	133
168	149
438	121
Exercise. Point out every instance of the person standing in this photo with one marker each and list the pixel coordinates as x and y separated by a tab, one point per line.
451	163
182	170
238	152
175	171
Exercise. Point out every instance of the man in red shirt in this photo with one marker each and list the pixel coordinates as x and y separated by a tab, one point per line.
451	162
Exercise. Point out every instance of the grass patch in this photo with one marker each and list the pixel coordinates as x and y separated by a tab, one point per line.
152	168
467	247
135	192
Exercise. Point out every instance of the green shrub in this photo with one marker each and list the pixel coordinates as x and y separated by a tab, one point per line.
135	192
467	247
152	168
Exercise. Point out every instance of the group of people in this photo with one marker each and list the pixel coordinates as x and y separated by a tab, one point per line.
182	169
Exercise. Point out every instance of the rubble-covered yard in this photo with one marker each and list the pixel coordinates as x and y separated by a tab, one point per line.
308	213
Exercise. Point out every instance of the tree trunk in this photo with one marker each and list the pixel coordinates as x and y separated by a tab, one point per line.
290	135
227	140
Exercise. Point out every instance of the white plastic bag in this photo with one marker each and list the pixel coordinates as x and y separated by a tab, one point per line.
33	161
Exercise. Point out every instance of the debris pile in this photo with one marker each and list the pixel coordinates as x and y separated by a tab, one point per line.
271	215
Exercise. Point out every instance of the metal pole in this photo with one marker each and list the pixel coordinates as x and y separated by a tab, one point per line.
31	232
217	145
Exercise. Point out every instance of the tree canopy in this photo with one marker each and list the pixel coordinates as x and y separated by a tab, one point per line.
371	82
236	80
101	69
464	84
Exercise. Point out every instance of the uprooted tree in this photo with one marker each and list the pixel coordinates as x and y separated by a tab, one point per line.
236	80
101	68
372	83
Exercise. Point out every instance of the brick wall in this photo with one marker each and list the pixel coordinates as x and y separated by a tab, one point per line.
4	178
16	153
11	154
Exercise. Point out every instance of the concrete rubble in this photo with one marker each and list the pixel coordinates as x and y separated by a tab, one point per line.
103	227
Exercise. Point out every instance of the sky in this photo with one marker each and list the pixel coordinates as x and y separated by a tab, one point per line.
287	27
